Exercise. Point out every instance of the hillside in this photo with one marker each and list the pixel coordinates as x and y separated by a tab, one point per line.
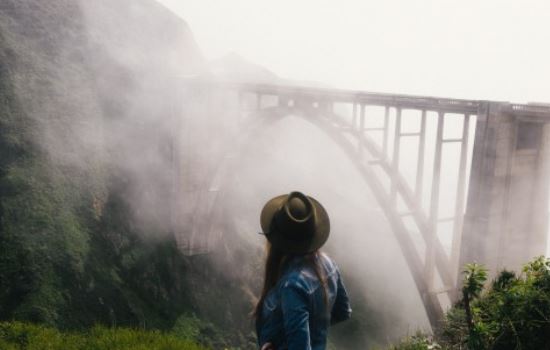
87	178
84	175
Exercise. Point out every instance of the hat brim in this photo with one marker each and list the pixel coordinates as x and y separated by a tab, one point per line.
320	235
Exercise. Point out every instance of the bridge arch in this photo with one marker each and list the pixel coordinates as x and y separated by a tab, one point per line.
336	131
316	107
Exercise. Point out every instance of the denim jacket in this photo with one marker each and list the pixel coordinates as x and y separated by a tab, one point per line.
295	315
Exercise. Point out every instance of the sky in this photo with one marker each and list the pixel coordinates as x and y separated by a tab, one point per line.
478	49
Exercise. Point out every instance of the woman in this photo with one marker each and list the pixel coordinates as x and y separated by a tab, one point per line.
303	292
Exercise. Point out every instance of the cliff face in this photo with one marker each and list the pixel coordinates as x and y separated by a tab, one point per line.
86	177
82	126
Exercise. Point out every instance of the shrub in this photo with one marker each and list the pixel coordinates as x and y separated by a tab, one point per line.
513	314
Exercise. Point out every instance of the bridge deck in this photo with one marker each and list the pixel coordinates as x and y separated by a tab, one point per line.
403	101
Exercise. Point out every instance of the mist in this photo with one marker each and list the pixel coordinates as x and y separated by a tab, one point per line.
424	49
136	59
490	50
292	154
196	166
186	138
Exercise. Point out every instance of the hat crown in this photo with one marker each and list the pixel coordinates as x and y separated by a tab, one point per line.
298	208
296	219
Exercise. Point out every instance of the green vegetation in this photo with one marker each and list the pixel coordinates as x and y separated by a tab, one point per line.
417	342
17	335
475	276
513	313
72	254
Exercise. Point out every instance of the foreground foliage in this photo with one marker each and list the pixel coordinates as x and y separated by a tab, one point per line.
17	335
512	313
417	342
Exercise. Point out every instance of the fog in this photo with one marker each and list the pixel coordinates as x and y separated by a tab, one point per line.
427	49
292	154
469	49
490	50
137	48
183	153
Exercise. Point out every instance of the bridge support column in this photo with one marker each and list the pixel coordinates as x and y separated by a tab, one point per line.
354	116
507	210
361	129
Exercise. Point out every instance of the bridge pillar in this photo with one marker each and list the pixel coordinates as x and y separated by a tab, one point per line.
507	210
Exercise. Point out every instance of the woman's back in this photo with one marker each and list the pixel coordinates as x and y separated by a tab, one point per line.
297	312
303	293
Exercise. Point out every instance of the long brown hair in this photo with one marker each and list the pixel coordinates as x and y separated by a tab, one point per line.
273	268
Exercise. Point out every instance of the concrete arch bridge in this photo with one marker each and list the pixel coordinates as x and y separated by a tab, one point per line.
458	180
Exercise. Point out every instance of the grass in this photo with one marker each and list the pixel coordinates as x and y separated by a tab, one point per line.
18	335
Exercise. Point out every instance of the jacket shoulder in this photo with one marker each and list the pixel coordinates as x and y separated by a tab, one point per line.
297	278
330	267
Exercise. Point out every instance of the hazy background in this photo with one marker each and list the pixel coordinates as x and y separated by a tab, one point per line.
491	49
117	169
